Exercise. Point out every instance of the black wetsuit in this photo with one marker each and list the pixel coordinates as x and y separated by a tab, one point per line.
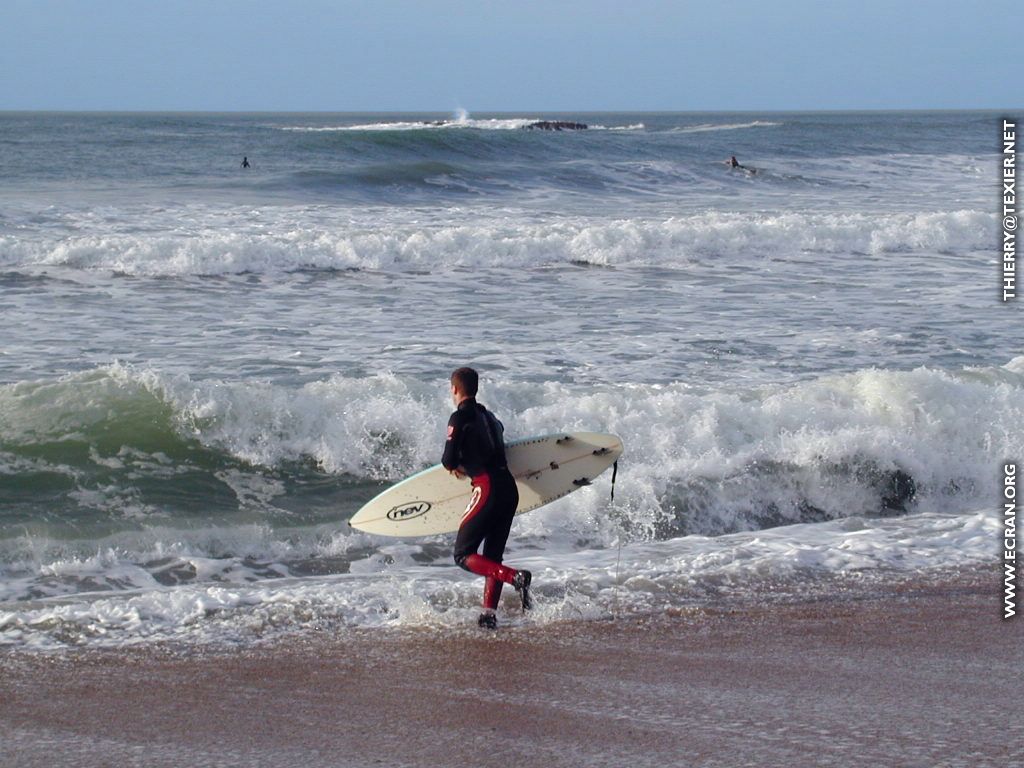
476	446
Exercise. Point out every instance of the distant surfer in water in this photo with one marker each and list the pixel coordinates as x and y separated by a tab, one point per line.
734	163
245	162
476	448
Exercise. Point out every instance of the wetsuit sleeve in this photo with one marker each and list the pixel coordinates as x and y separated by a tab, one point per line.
453	445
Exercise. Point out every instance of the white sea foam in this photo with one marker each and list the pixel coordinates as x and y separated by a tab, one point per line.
378	431
276	240
388	589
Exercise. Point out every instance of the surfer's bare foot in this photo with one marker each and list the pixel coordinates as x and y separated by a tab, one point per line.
521	582
488	620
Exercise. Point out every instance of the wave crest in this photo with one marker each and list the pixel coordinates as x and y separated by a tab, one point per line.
700	462
461	122
712	127
289	244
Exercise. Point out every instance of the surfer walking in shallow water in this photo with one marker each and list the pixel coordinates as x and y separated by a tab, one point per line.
475	448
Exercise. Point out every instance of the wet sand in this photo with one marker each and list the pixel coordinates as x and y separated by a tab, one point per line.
917	677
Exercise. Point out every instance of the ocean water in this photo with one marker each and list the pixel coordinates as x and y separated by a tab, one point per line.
205	370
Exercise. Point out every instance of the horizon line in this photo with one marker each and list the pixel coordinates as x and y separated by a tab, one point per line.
844	110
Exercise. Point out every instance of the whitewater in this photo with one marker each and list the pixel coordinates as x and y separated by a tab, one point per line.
206	370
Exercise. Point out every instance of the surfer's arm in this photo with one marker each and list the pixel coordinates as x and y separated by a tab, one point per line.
453	445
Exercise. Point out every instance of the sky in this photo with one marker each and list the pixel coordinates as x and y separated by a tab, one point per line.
512	55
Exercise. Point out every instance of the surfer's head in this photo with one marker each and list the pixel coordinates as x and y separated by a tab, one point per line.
464	383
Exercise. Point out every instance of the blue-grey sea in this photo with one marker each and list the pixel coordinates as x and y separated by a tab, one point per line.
205	369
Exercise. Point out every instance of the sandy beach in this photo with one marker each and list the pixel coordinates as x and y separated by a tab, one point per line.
919	676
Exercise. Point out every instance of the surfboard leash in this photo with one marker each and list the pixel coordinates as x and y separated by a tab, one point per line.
618	553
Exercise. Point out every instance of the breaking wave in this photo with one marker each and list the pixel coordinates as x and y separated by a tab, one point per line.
872	442
458	123
165	508
288	243
711	127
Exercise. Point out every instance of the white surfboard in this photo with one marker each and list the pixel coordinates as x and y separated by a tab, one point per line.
545	468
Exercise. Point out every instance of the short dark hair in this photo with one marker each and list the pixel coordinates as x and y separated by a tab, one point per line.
466	380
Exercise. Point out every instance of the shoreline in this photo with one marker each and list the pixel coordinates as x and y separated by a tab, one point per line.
922	675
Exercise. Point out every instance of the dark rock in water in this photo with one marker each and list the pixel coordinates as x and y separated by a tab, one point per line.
900	489
555	125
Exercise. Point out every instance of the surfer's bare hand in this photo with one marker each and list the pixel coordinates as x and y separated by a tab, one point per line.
457	473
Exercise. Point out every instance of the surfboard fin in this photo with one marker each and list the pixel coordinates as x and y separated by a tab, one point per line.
581	482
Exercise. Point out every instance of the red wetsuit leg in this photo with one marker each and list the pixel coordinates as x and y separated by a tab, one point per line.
478	501
482	566
492	592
